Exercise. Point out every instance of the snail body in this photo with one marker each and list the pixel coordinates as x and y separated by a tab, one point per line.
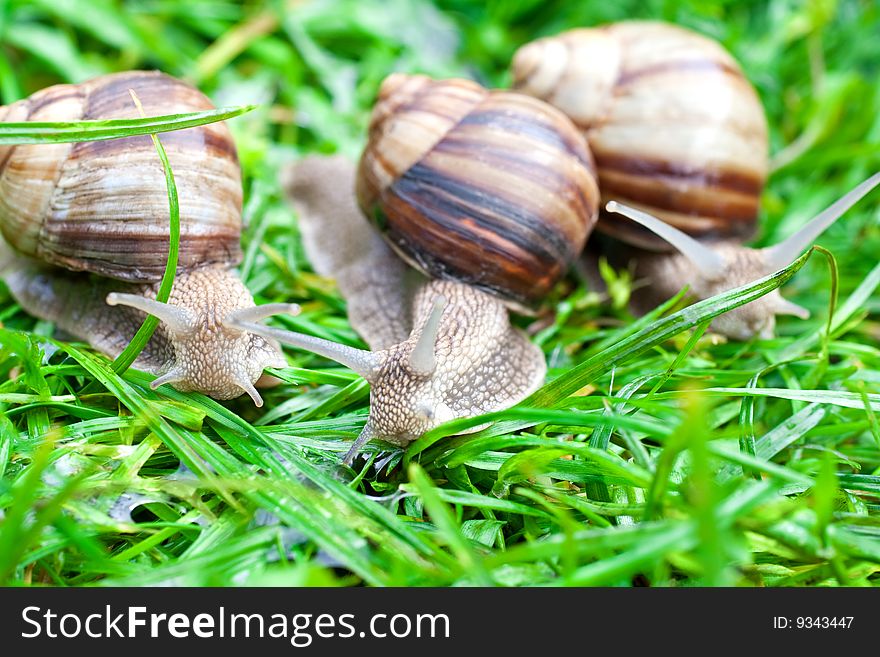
88	228
680	142
479	201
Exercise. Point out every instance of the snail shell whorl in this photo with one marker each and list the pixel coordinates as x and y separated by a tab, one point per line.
102	206
489	188
674	125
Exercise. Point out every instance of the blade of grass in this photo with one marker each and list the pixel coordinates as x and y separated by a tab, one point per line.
124	360
42	132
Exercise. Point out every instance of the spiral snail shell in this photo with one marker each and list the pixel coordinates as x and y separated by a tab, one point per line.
101	208
490	188
675	126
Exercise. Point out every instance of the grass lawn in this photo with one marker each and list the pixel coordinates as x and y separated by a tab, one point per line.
657	454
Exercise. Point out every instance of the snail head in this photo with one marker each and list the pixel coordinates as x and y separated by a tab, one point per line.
200	321
710	269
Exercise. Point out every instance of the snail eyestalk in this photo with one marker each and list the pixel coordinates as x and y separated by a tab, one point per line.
176	319
782	254
421	360
709	263
365	363
256	313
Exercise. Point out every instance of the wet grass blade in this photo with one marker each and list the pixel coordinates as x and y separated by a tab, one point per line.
39	132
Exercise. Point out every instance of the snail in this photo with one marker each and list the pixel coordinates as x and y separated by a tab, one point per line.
88	228
489	195
680	143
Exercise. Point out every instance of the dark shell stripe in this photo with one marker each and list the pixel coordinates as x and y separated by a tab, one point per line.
500	276
530	128
499	246
489	211
144	261
581	195
723	195
706	66
520	195
728	180
214	145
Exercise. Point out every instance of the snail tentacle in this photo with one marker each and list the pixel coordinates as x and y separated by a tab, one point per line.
709	263
172	376
177	320
257	313
365	436
249	388
365	363
785	252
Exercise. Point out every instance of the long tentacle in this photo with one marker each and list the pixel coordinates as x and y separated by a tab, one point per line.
710	264
785	252
177	319
365	363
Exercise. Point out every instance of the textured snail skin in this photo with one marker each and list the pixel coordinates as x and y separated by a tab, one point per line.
675	127
212	359
481	363
101	208
489	188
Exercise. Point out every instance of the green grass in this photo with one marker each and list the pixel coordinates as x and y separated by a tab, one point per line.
656	453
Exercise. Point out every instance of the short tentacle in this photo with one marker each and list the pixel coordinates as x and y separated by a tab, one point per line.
172	376
249	388
421	359
366	435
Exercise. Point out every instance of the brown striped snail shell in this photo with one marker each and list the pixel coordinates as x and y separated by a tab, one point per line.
675	127
680	142
101	208
489	188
